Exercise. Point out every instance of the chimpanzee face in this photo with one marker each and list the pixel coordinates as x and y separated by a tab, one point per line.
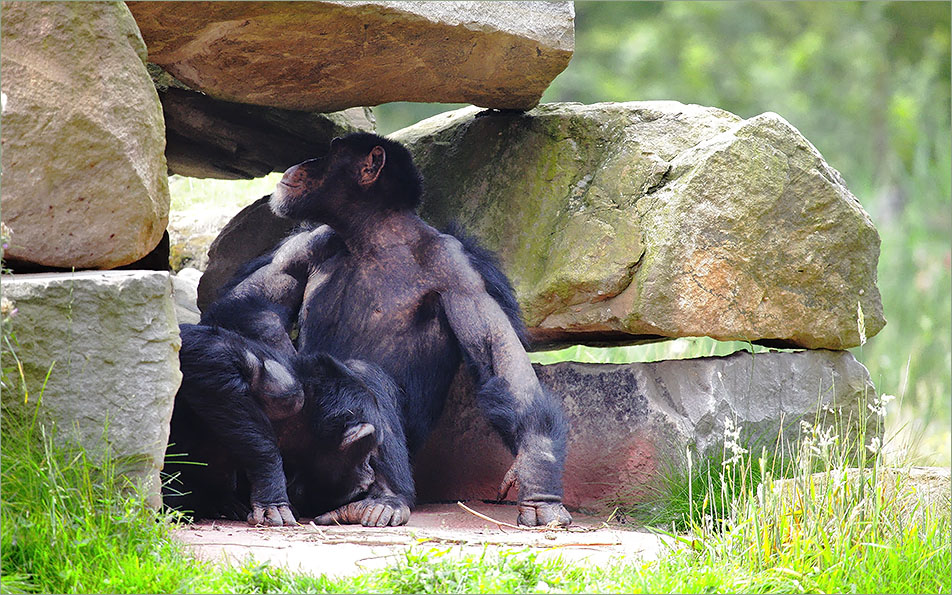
324	190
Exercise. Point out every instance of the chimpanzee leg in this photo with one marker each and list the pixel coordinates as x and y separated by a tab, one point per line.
216	385
364	392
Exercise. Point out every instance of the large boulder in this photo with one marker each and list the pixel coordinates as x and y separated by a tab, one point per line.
632	221
84	175
99	354
327	56
631	424
209	138
249	234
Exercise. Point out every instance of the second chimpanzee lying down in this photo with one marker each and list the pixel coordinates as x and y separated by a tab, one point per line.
384	287
324	416
327	418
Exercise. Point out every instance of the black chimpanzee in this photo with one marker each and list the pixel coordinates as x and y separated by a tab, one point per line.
323	416
384	287
267	422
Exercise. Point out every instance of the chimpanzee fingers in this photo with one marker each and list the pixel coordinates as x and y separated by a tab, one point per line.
287	517
527	516
508	481
535	514
277	515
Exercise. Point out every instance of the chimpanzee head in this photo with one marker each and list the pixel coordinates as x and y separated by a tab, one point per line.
361	172
273	385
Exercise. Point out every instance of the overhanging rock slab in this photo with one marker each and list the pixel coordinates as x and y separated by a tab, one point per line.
108	342
631	423
327	56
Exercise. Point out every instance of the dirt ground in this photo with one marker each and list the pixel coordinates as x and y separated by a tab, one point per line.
347	550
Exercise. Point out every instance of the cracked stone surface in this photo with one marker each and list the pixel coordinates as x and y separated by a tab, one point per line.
348	550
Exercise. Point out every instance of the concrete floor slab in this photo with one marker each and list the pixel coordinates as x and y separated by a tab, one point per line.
349	550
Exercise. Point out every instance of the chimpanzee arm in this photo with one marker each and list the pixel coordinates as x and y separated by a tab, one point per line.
263	299
529	419
216	385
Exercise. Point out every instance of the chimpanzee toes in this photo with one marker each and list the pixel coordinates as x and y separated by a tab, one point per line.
537	514
369	512
376	515
276	515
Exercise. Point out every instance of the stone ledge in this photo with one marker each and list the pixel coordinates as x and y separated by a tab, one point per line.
632	422
109	341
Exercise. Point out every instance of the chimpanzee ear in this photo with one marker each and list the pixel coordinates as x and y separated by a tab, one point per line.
356	434
371	166
250	368
358	443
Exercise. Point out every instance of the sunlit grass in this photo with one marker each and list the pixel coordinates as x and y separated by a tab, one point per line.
196	193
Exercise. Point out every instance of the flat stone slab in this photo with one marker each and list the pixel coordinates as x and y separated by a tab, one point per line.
327	56
631	423
99	351
349	550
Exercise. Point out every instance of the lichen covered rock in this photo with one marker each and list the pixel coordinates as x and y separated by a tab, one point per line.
632	221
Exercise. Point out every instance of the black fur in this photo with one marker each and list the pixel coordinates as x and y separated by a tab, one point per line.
386	288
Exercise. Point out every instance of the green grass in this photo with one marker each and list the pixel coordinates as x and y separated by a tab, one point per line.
70	525
195	193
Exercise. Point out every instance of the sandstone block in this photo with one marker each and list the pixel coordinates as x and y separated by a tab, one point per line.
632	422
327	56
84	175
109	343
632	221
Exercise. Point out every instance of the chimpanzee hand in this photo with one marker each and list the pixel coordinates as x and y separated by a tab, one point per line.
271	515
381	511
534	514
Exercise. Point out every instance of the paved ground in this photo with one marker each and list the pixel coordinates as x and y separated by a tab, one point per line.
345	550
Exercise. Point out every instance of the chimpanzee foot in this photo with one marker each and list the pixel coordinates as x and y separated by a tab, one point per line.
533	514
385	511
273	515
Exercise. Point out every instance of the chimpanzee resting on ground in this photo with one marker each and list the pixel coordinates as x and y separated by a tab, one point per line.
240	374
386	288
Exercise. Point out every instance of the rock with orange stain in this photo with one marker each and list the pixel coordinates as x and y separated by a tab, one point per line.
328	56
630	222
632	424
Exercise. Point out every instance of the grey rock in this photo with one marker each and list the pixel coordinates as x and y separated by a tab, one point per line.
633	423
185	294
84	173
328	56
251	233
626	222
108	342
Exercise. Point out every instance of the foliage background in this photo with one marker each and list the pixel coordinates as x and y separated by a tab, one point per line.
868	84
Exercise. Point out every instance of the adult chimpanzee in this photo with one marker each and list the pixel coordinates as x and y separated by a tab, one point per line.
387	288
268	422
